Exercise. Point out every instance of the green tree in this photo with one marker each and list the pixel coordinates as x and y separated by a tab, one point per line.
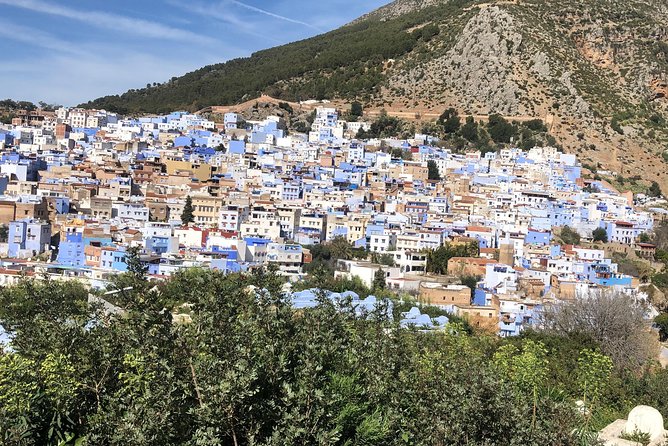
285	106
384	127
450	121
469	130
379	282
527	370
18	394
471	282
500	130
383	259
594	371
661	321
398	152
536	125
209	358
599	235
341	248
136	267
644	238
437	259
433	172
187	215
356	110
568	236
654	190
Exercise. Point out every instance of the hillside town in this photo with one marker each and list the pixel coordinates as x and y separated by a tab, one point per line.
81	189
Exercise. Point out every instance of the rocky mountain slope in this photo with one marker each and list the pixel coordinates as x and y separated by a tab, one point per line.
595	70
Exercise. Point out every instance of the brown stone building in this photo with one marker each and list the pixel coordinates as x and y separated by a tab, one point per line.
38	209
7	212
432	293
481	318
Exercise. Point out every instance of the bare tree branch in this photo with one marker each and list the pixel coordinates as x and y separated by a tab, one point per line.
616	320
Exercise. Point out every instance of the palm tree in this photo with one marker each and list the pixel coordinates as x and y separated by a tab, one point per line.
341	249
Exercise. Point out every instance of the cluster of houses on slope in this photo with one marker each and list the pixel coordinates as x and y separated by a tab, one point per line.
80	188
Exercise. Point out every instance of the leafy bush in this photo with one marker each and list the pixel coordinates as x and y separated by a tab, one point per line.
247	368
569	236
450	121
600	235
469	130
614	124
637	436
500	130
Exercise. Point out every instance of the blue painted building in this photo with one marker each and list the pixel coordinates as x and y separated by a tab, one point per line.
28	238
536	237
237	147
161	245
71	250
114	258
605	274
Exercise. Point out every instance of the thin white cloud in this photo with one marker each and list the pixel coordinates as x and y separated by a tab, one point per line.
216	12
35	37
221	12
137	27
271	14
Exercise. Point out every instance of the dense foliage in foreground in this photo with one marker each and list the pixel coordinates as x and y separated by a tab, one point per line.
248	369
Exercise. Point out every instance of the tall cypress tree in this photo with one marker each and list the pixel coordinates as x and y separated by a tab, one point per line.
379	282
187	215
433	173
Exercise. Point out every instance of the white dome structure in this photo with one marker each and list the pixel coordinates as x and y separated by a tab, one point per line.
645	419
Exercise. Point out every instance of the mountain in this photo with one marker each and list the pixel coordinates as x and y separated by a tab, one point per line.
596	71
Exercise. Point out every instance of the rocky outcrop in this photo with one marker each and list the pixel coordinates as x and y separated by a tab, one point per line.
590	68
659	88
396	9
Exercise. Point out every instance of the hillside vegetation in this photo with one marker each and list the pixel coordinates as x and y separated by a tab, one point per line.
595	72
347	62
239	366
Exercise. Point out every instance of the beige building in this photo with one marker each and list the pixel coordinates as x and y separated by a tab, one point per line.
289	218
262	222
21	188
480	317
357	227
200	171
206	209
314	222
7	212
100	208
354	225
34	208
432	293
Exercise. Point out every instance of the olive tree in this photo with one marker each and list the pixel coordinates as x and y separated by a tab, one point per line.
614	319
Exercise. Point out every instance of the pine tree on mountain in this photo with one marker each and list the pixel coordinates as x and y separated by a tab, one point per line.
450	121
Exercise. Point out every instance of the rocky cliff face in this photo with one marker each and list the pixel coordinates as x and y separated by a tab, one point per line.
597	71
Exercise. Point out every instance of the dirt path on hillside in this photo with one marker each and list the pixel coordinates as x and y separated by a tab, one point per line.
397	111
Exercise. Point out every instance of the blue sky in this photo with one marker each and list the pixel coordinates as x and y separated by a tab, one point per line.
70	51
